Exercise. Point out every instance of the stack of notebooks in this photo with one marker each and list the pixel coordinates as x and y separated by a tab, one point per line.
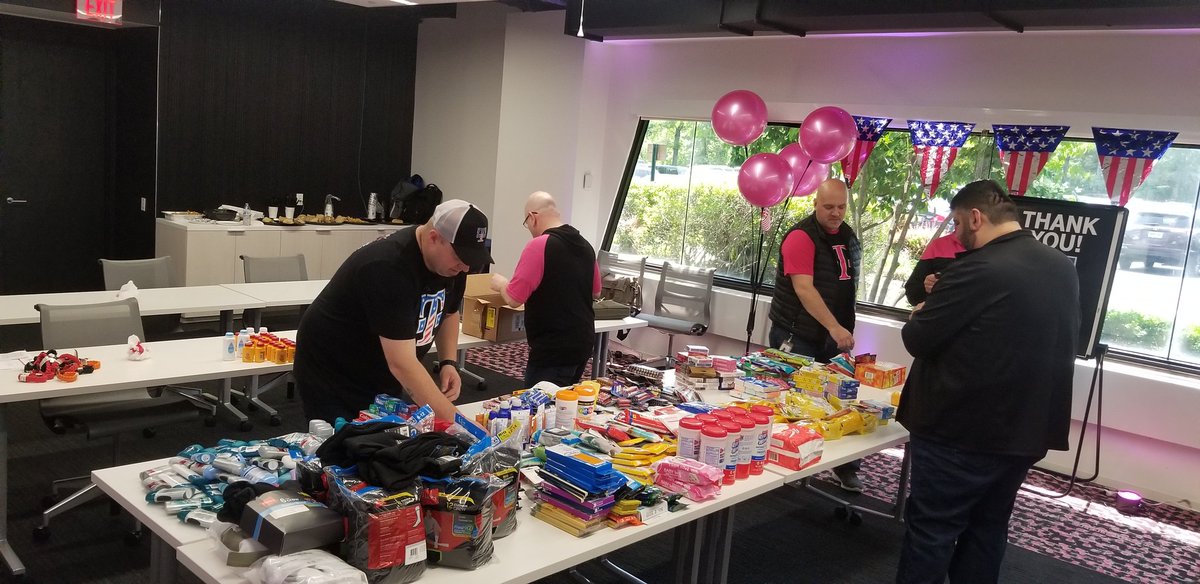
577	490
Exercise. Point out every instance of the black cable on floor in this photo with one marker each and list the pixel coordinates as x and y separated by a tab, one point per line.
1096	390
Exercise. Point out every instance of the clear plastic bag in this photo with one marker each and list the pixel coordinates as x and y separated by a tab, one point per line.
306	567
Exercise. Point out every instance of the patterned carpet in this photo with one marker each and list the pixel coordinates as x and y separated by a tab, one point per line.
1162	544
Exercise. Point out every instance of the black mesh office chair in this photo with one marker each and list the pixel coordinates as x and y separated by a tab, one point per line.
99	415
682	303
272	269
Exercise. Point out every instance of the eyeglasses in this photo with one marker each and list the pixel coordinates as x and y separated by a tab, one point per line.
528	215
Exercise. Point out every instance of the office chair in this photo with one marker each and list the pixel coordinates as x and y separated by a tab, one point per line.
272	269
99	415
624	265
682	303
157	273
146	273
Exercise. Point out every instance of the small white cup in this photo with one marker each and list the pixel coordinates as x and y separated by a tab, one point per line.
273	212
289	212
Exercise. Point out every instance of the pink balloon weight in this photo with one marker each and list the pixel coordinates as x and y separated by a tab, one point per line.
806	172
765	179
739	117
828	134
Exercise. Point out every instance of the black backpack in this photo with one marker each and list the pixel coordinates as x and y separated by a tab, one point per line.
413	201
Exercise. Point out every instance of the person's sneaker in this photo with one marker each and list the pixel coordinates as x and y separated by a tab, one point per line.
847	479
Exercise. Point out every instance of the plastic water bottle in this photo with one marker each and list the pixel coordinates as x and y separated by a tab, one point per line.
247	218
228	348
372	202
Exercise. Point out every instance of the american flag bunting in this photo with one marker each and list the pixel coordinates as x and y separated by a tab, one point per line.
1127	156
869	131
936	145
1024	151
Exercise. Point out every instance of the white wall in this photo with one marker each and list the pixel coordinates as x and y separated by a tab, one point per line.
589	97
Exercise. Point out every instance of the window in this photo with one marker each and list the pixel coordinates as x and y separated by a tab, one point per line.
682	205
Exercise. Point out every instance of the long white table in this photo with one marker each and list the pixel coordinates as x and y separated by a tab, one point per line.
170	363
19	308
513	563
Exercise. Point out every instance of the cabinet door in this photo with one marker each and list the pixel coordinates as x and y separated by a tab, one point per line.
337	245
306	243
254	243
210	258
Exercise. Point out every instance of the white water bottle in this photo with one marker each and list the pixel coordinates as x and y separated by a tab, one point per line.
228	348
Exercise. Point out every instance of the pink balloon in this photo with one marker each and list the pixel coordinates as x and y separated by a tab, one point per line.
828	134
806	172
765	179
739	117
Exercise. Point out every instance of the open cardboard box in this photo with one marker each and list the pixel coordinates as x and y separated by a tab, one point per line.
485	315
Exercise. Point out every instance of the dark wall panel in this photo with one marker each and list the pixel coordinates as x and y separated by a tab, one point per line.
262	98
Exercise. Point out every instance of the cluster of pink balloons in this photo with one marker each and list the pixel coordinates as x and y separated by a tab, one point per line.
827	135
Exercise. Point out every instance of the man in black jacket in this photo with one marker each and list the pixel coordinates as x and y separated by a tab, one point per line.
812	308
557	279
990	390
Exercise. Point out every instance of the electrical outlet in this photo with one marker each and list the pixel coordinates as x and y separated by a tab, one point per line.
143	203
299	199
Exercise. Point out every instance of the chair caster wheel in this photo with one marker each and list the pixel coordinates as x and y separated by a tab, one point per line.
481	386
133	538
41	533
855	518
210	421
841	513
149	432
246	426
275	421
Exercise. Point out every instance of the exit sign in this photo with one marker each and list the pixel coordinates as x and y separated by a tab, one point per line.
108	11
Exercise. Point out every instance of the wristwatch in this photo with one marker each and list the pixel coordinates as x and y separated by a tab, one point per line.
445	362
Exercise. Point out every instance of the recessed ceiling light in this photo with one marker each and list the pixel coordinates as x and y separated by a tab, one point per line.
405	2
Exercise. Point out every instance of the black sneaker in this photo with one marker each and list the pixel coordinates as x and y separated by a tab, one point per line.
847	480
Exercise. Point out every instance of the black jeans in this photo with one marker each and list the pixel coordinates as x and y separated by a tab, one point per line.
956	522
776	336
560	375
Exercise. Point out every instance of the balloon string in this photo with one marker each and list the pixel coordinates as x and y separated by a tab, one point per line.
796	183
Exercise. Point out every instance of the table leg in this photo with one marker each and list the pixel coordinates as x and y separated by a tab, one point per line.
717	541
226	400
461	355
600	357
162	561
688	538
226	321
6	552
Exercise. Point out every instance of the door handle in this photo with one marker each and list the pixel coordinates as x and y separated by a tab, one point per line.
12	201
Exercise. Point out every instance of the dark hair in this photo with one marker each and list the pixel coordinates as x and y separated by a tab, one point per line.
990	198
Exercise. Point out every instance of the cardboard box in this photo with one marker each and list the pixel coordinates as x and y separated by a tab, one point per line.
287	522
880	374
485	315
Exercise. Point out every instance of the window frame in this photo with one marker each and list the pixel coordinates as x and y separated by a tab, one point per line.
866	308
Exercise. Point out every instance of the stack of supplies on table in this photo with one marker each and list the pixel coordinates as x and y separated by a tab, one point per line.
577	490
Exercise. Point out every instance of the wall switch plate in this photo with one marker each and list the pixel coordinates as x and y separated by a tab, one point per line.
299	199
143	203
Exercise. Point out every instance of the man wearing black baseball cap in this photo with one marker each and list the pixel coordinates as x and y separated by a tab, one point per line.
368	330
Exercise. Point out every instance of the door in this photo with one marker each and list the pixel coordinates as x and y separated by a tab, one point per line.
54	164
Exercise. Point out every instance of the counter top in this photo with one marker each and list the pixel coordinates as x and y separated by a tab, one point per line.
258	226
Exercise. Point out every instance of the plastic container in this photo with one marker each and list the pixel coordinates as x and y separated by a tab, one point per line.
762	439
706	419
733	431
587	400
566	407
228	347
721	415
714	440
749	434
760	409
689	438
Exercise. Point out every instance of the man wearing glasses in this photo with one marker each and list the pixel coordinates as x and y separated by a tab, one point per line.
557	280
990	391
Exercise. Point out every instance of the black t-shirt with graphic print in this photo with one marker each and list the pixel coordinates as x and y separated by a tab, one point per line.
382	290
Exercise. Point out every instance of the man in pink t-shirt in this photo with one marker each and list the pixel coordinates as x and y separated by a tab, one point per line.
557	280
